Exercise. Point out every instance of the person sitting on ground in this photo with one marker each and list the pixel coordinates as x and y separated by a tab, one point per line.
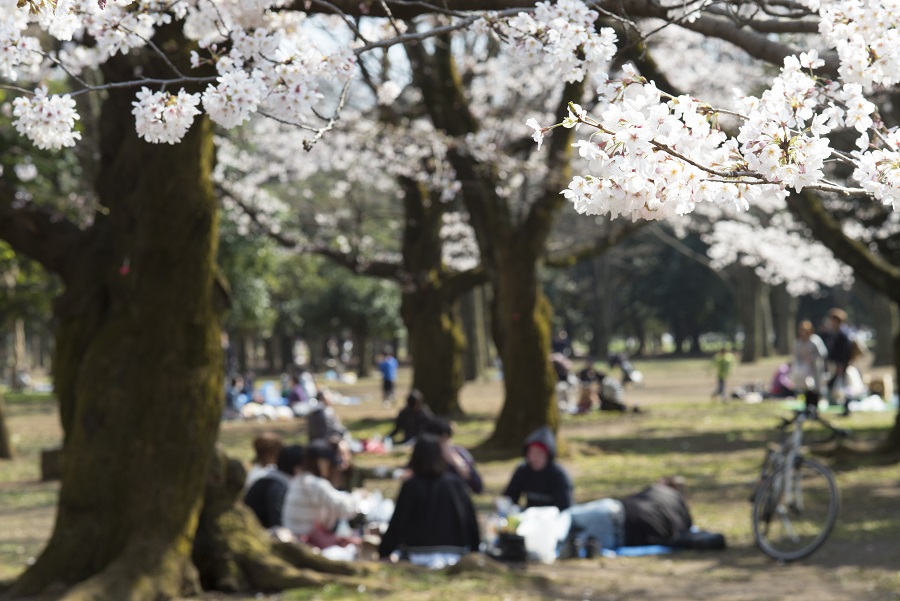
296	392
434	522
266	496
322	422
658	515
459	460
782	386
412	419
266	445
611	393
312	506
543	481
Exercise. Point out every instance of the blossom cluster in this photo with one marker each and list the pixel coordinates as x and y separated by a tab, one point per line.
563	34
271	63
652	155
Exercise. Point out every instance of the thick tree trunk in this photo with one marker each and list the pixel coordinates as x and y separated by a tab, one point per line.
784	318
523	319
138	368
749	294
6	447
436	343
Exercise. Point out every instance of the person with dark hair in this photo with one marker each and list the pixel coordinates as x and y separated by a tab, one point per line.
412	419
543	481
840	349
322	422
266	496
266	445
459	459
296	396
434	522
311	502
658	515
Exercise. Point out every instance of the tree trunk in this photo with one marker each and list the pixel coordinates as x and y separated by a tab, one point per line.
601	308
522	323
138	368
436	343
749	293
885	324
364	348
6	447
892	443
18	364
784	317
472	315
765	321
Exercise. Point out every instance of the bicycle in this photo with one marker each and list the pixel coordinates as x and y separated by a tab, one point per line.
796	502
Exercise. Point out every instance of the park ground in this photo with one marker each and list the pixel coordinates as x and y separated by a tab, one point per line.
716	446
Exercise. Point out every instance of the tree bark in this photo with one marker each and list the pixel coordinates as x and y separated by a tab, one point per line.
436	343
472	314
6	446
522	330
765	320
138	365
784	317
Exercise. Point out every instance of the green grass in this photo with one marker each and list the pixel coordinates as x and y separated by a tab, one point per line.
717	447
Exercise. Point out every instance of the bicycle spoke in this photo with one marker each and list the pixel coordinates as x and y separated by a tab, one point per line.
792	519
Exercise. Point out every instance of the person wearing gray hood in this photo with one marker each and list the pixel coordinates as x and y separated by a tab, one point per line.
539	478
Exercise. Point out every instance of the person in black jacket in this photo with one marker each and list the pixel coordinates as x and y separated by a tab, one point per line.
412	419
434	521
543	481
657	515
266	496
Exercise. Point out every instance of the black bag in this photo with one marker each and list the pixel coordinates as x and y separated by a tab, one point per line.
510	547
699	539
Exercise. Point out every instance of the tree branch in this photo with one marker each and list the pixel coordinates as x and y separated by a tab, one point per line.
875	271
48	238
572	256
457	284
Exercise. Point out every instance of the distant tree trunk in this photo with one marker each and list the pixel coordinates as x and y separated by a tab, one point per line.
601	308
885	325
472	314
6	446
19	362
765	321
784	317
364	346
695	343
138	368
748	301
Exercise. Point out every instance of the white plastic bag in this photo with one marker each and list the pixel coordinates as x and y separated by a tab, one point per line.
543	528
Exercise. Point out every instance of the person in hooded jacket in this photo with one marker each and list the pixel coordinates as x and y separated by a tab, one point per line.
539	478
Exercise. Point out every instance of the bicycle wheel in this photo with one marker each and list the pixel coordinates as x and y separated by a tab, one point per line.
794	514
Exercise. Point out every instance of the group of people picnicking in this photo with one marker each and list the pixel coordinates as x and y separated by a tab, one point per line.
303	492
824	366
593	387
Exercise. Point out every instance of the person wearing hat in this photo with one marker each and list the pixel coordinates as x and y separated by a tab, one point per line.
543	481
312	504
266	496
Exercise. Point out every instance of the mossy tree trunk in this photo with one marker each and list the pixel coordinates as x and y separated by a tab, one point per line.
6	446
138	365
511	241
